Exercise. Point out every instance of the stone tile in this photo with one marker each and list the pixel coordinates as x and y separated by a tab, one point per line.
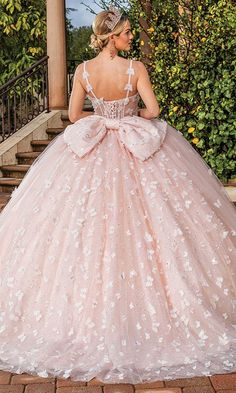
5	377
80	389
226	391
27	378
40	388
118	388
184	382
199	389
159	390
68	382
11	389
224	381
149	385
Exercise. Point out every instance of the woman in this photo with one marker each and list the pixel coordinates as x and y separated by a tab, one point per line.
121	261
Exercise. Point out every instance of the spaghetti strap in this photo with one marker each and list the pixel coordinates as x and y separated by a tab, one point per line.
85	76
128	86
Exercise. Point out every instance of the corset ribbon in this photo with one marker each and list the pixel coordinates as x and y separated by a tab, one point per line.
140	136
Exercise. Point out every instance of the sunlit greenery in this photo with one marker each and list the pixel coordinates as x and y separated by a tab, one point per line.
23	35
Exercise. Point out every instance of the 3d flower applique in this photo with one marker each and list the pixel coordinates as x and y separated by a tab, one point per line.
10	281
85	74
132	273
150	253
219	281
202	335
148	237
21	337
37	314
187	203
224	234
89	87
130	71
128	86
217	203
223	340
66	188
19	294
36	209
149	281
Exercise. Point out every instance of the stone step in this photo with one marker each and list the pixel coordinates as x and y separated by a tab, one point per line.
40	144
231	191
65	117
53	132
230	182
17	171
65	120
27	157
8	184
4	198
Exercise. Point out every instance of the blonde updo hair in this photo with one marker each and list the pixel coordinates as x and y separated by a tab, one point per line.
100	36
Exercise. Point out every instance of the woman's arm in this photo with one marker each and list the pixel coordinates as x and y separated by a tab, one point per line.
145	90
77	98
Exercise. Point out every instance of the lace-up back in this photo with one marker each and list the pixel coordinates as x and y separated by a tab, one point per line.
114	109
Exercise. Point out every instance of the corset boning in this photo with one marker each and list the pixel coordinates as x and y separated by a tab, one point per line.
115	109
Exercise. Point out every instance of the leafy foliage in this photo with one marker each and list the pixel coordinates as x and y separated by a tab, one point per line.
77	44
23	37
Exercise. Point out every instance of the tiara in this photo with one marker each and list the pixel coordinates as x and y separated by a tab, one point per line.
114	16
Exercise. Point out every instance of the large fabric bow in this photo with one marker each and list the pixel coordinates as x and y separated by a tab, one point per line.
141	137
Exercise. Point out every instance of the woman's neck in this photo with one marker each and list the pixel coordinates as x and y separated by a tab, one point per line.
105	54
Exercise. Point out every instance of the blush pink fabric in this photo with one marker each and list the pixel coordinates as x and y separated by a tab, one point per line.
140	136
118	261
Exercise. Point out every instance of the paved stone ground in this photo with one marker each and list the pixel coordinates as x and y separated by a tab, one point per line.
25	383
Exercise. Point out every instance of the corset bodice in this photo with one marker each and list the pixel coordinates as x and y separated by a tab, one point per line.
114	109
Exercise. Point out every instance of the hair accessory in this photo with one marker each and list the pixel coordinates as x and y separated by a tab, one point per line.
114	16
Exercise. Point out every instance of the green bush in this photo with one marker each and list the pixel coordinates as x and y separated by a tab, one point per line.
23	36
192	67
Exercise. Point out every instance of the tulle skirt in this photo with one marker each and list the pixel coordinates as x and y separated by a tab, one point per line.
117	268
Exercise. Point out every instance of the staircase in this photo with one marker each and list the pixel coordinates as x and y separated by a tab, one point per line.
14	173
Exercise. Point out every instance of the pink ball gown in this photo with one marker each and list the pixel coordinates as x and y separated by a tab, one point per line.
118	255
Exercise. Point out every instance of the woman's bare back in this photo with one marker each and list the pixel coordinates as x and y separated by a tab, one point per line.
108	79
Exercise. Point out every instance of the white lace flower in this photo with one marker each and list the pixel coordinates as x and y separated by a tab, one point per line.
129	87
85	74
37	314
148	237
202	335
219	281
89	87
130	71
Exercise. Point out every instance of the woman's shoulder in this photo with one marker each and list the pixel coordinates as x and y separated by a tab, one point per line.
138	65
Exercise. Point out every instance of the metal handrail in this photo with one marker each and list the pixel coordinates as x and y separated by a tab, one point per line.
23	98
